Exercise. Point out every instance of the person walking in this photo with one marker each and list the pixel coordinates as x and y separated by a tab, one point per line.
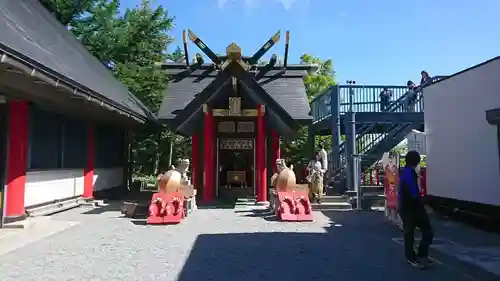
411	96
425	78
385	99
323	158
413	214
315	178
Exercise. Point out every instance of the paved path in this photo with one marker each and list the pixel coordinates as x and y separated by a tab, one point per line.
214	244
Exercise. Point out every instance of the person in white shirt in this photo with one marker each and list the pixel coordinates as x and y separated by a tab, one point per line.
324	164
323	157
315	178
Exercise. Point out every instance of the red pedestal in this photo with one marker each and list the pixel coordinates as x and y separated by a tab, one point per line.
194	165
208	156
17	158
88	173
260	157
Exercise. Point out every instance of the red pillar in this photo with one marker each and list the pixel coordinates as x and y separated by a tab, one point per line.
88	174
17	158
194	165
275	147
208	156
260	156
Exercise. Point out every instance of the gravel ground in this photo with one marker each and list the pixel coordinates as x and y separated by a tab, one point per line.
217	244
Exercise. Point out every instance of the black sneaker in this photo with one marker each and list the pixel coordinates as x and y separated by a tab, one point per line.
416	263
426	262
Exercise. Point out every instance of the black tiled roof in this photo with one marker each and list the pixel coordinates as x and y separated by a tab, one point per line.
30	31
287	89
187	117
179	94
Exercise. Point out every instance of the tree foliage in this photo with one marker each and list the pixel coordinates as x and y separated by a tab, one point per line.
67	11
128	44
316	83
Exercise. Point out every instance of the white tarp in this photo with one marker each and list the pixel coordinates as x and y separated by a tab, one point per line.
417	140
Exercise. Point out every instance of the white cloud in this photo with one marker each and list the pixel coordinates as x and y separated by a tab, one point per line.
250	4
343	14
221	3
287	4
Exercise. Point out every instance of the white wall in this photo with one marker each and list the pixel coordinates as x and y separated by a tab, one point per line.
105	178
463	161
46	186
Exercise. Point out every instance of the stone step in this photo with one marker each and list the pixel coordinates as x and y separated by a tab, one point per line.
334	199
369	202
53	208
331	206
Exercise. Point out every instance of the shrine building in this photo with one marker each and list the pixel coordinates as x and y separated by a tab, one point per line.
235	110
64	118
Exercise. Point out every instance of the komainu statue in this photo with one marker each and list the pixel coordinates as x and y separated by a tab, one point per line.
288	202
284	179
167	205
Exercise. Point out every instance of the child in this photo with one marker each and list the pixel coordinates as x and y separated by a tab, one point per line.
413	214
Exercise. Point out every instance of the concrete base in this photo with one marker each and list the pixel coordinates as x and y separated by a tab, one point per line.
53	208
263	203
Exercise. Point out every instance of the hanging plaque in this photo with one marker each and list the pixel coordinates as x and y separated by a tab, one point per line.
236	144
245	127
227	127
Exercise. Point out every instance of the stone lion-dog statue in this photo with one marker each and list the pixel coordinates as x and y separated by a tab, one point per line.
176	180
284	179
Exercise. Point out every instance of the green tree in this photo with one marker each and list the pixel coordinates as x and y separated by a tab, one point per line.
177	55
129	45
316	83
67	11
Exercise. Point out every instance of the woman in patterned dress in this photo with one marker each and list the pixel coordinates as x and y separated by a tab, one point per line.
315	178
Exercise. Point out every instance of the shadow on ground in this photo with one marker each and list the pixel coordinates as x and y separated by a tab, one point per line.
355	246
265	214
111	206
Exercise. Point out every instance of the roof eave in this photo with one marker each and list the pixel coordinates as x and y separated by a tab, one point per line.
201	98
37	71
493	116
172	68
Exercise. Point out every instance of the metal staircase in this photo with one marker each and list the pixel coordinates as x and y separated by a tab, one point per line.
376	131
372	144
374	139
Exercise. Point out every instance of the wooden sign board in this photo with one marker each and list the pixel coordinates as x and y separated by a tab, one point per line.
149	187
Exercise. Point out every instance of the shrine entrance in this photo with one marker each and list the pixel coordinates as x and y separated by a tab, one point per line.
235	162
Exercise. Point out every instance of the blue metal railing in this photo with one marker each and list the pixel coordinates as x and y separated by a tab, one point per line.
365	139
365	99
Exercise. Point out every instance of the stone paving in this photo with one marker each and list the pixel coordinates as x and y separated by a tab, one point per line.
215	244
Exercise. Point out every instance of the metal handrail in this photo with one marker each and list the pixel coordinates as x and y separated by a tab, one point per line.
394	130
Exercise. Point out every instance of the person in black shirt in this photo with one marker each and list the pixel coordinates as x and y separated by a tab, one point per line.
413	213
411	96
426	78
385	99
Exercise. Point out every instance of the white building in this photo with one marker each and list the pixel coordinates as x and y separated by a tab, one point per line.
463	168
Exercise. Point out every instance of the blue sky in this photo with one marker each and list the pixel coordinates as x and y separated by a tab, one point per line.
384	42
